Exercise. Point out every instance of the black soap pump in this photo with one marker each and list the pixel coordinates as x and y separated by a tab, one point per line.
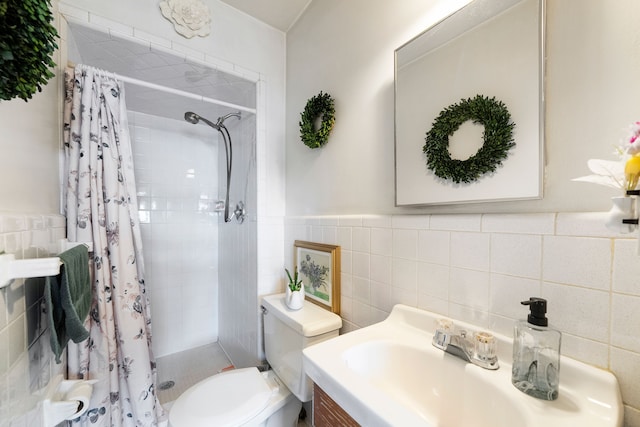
536	353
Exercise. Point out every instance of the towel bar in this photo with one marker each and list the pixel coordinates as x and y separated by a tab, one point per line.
12	268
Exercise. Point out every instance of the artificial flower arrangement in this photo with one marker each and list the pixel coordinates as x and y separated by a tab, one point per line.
623	174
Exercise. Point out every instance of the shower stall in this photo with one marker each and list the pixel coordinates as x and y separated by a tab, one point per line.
197	190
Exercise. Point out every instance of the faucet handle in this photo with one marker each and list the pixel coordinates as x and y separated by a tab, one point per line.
442	335
444	324
485	347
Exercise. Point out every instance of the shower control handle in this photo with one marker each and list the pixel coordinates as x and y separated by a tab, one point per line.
239	212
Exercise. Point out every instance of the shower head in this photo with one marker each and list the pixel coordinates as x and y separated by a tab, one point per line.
193	118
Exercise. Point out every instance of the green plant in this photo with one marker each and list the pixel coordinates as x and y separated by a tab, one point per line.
497	135
294	283
319	107
27	41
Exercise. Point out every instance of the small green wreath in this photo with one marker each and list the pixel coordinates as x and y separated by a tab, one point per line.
319	106
497	136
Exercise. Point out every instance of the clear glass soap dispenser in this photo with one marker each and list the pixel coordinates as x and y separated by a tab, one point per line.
536	353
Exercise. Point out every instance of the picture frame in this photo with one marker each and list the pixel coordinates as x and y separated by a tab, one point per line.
318	266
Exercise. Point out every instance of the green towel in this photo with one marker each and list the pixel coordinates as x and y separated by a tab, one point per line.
68	299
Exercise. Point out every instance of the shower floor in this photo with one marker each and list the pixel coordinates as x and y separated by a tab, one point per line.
188	367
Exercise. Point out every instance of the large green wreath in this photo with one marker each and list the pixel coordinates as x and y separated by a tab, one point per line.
27	41
320	105
497	136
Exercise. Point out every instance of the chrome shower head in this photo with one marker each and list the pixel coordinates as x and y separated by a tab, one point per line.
193	118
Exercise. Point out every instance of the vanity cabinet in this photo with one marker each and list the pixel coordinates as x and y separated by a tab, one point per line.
327	413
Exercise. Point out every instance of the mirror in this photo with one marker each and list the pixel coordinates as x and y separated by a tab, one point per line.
489	48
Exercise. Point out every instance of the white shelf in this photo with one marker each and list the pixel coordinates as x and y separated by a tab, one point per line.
12	268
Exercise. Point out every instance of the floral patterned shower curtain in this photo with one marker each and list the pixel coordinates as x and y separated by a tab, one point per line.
101	207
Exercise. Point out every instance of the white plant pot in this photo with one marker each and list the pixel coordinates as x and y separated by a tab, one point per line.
622	209
294	299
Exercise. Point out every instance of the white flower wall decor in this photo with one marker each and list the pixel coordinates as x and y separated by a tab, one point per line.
189	17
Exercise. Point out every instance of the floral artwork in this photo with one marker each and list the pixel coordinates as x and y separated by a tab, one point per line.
317	277
319	268
189	17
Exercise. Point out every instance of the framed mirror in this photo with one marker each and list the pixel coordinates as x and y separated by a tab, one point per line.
492	49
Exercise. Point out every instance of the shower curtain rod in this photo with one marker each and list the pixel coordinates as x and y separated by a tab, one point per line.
183	93
179	92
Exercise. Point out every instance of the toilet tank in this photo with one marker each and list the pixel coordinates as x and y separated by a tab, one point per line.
288	332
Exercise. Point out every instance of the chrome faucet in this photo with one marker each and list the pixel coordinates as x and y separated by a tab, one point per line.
479	350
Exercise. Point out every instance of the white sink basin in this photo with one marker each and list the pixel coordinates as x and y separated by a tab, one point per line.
389	374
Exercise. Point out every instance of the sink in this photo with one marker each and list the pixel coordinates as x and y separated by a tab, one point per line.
389	374
428	391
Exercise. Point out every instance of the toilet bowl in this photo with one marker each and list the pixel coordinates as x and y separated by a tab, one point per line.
241	397
247	397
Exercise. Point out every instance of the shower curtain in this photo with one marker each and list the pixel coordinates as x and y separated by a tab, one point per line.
101	207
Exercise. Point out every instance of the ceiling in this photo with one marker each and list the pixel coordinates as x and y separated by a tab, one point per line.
280	14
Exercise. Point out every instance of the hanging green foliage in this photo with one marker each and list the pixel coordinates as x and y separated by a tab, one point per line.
498	139
320	106
27	42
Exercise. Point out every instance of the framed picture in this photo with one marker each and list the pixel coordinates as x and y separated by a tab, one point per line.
318	267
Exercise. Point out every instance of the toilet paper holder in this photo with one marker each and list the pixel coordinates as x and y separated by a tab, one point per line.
65	400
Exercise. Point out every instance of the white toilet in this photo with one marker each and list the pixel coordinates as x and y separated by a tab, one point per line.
247	397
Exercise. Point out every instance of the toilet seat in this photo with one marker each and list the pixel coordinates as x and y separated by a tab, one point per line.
228	399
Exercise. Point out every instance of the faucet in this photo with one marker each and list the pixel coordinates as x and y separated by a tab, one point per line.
479	350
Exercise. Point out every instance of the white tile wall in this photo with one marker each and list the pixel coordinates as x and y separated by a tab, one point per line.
26	361
176	167
240	331
477	268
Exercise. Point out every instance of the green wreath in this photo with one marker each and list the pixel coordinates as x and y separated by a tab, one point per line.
497	136
319	106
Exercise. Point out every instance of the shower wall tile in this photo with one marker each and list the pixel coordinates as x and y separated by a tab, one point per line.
242	277
179	190
478	267
26	361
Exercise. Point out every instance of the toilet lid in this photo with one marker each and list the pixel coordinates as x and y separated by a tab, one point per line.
227	399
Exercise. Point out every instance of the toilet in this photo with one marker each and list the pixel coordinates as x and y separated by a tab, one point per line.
247	397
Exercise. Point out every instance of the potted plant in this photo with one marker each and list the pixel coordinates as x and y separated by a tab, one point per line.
294	297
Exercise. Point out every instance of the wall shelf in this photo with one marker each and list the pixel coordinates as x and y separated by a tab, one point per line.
12	268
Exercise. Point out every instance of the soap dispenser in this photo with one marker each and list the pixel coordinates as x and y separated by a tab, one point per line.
536	353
